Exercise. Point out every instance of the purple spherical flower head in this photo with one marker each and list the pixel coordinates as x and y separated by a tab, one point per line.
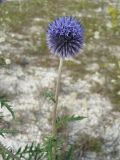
1	1
65	36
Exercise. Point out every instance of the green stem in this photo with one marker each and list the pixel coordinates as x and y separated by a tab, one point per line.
54	129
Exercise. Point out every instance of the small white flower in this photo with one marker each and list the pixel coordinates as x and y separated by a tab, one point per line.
113	81
7	61
118	93
2	39
99	9
96	35
12	35
109	24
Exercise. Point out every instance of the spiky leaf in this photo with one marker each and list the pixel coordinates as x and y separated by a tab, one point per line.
4	103
61	121
50	96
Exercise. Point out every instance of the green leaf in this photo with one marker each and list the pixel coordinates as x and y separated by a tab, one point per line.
4	103
69	154
6	131
50	96
30	152
61	121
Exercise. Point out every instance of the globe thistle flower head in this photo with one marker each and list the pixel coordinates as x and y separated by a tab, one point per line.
65	37
1	1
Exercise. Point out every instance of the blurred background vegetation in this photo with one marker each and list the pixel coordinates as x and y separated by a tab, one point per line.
23	26
101	20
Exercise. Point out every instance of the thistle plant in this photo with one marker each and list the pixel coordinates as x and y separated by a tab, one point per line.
65	37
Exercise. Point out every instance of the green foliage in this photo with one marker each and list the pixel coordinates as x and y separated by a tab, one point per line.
61	121
69	154
4	131
95	145
49	143
2	61
40	152
31	152
3	149
4	103
66	155
114	13
7	153
50	96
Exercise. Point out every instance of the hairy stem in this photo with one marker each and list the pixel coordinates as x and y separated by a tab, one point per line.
54	130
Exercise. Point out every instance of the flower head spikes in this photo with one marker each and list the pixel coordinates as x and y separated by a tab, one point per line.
65	36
